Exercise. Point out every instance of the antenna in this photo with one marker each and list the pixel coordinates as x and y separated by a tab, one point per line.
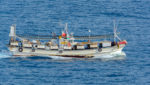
38	32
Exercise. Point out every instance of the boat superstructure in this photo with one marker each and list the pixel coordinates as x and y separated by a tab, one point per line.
64	45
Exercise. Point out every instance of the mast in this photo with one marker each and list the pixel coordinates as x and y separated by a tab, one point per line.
61	38
115	32
66	29
12	33
89	35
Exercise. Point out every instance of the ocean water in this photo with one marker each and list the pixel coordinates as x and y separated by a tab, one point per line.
46	16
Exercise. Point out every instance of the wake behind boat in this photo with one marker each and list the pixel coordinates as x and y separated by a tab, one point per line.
65	45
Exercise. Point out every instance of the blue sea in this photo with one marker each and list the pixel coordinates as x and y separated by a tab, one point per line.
45	16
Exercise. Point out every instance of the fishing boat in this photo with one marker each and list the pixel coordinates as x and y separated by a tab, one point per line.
65	45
